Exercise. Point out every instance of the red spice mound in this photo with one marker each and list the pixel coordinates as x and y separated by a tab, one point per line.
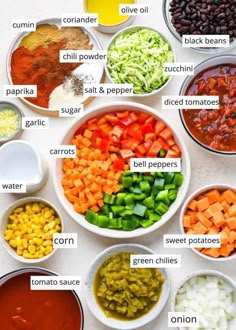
40	67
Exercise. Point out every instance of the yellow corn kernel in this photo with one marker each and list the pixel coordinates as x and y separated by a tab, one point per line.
27	255
19	251
18	210
31	249
38	241
48	249
12	243
58	221
47	243
35	207
18	241
42	249
47	214
45	228
24	242
58	228
52	224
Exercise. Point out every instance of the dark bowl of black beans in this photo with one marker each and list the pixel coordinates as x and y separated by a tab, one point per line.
207	26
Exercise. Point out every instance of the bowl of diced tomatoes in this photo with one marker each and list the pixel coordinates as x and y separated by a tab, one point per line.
211	210
100	187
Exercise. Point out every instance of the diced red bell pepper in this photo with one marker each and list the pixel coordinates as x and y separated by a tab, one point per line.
112	118
126	153
177	149
159	126
150	136
166	133
122	114
126	121
172	154
119	164
105	129
142	118
147	145
141	149
154	149
117	131
104	144
151	120
147	129
94	137
92	121
80	130
135	132
163	143
130	143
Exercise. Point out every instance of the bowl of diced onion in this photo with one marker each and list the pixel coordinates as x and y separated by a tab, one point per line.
27	229
211	296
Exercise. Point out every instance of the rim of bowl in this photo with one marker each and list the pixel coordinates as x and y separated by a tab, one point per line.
129	18
21	35
21	114
175	34
8	210
201	272
35	269
98	261
220	186
133	27
113	233
183	88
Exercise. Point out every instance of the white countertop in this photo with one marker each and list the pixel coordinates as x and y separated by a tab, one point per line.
206	168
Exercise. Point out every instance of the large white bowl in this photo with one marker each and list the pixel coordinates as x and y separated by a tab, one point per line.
58	173
96	309
205	272
196	193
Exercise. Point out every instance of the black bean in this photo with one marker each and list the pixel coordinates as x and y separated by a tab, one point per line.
203	17
205	30
221	15
185	22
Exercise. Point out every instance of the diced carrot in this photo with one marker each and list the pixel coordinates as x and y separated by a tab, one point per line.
193	205
212	252
232	237
199	228
213	196
225	205
203	204
187	221
231	222
224	237
232	210
229	196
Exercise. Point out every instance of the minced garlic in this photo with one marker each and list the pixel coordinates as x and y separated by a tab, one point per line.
9	123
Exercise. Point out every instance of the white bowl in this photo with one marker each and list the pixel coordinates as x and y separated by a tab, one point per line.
206	64
8	276
205	272
58	174
21	162
109	29
195	194
11	251
133	28
91	300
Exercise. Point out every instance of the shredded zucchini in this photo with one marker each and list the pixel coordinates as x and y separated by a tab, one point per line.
137	57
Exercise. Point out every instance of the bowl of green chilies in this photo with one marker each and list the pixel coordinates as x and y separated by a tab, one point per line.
130	173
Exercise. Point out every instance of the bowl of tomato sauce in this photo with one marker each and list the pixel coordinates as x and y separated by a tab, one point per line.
213	129
23	308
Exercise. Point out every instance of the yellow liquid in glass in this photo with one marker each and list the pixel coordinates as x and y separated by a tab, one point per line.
108	11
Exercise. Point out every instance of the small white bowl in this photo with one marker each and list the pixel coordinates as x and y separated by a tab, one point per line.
20	162
195	194
11	251
109	29
11	106
133	28
96	309
58	173
205	272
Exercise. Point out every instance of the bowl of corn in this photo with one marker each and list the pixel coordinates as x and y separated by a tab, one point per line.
27	229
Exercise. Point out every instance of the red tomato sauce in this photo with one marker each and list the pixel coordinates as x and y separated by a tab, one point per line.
21	308
214	128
